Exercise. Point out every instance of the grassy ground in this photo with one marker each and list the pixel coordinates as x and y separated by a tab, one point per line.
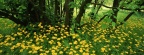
6	26
91	40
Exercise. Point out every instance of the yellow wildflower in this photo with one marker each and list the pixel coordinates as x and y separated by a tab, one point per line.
1	51
75	42
51	28
102	49
85	53
70	53
54	53
60	52
81	50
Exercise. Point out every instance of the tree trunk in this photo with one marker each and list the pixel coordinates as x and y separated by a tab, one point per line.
57	10
82	11
69	14
115	10
37	13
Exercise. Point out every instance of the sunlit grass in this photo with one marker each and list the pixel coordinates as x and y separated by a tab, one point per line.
6	26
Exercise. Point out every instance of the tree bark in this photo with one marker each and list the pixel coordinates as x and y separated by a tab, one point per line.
115	10
57	9
37	13
82	11
32	11
69	14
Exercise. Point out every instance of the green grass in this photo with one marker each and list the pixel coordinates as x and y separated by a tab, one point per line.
6	26
90	40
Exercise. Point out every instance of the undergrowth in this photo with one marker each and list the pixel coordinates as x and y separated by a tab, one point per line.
90	40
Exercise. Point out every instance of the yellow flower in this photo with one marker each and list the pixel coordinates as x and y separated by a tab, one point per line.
75	42
85	53
41	40
51	28
93	54
76	47
86	45
102	49
43	54
83	42
1	51
67	33
41	27
35	33
64	36
12	38
13	47
15	34
81	50
63	26
51	42
30	52
83	32
70	53
76	54
19	33
34	52
74	36
46	51
41	50
93	51
59	44
1	35
37	48
21	50
87	49
58	38
70	43
53	37
60	52
55	34
39	24
23	46
54	53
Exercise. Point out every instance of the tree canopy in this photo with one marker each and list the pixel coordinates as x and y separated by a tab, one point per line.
53	11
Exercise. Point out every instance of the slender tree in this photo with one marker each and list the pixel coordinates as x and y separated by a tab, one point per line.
115	10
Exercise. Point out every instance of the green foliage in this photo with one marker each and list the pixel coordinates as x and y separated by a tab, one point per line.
73	5
6	26
2	5
104	26
113	24
109	13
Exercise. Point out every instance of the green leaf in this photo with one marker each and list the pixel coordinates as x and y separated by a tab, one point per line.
109	20
73	5
109	13
104	26
2	6
113	24
66	43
